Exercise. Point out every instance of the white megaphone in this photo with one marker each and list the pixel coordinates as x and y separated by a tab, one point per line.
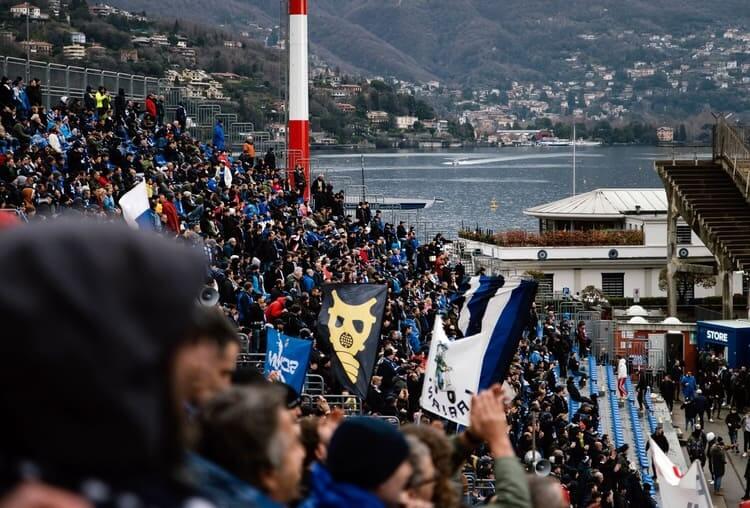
543	467
209	296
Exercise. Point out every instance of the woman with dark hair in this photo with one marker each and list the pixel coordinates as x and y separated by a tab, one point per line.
444	491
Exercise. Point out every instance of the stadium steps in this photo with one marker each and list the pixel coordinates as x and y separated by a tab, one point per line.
712	204
618	434
594	389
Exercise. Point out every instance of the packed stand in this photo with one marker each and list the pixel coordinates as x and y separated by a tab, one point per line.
267	251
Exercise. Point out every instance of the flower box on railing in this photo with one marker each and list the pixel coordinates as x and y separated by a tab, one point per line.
591	238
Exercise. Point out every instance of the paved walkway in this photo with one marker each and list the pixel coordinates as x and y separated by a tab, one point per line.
733	483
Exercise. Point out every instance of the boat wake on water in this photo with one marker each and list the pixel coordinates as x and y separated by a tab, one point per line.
465	180
509	158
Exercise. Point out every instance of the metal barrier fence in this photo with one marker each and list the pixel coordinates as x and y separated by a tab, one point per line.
314	385
59	80
70	81
643	354
350	404
244	343
482	488
257	360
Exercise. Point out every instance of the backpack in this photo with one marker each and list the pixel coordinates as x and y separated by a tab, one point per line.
695	447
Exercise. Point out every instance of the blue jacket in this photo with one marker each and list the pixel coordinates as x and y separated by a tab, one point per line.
688	386
328	494
535	357
223	488
413	337
219	137
244	300
307	283
251	210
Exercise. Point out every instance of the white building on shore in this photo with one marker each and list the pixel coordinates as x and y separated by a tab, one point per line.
620	270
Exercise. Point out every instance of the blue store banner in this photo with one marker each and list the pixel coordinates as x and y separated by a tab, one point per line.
289	357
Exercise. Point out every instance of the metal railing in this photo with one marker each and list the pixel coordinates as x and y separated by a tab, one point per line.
244	343
60	80
257	360
314	385
350	404
732	146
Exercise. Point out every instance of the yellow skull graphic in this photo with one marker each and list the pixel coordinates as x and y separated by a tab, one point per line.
349	327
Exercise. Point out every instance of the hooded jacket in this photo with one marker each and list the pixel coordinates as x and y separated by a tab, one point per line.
86	348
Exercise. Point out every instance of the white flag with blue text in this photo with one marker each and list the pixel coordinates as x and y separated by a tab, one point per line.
495	312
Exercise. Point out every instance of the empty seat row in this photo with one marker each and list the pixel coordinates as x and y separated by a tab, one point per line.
638	439
617	431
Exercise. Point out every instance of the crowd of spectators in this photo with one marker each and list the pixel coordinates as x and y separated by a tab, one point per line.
703	396
267	250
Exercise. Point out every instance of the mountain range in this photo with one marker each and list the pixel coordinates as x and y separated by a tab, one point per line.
471	41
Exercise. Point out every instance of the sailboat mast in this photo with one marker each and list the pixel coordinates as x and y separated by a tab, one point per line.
364	193
574	157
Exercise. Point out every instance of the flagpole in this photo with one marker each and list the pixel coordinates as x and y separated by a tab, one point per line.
574	156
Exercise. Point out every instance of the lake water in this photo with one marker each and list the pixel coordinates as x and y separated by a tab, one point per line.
516	178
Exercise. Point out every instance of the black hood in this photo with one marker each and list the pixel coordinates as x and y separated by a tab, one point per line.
90	314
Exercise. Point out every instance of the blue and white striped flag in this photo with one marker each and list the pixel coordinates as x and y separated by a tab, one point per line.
496	311
478	297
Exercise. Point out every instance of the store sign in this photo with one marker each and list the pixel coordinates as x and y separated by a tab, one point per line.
717	336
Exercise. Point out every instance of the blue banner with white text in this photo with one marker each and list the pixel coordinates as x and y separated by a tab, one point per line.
289	357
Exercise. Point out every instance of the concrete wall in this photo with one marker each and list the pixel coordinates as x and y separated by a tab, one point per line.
575	253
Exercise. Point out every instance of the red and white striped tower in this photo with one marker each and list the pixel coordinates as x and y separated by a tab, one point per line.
298	129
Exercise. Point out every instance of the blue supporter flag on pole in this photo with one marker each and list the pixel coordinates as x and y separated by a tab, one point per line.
499	311
289	357
134	205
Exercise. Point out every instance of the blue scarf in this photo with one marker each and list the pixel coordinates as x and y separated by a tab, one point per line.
328	494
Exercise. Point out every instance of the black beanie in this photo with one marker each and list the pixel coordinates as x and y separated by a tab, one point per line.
365	452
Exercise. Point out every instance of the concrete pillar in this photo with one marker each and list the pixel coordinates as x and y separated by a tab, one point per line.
725	281
671	252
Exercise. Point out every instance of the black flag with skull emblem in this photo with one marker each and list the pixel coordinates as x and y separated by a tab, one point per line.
350	318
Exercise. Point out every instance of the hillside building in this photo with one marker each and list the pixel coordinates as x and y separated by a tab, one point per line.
74	52
78	38
665	134
38	47
24	9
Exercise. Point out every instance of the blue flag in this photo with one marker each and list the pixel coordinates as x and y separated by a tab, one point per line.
288	356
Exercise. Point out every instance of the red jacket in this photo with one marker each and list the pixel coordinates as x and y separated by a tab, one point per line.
151	107
275	309
173	221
